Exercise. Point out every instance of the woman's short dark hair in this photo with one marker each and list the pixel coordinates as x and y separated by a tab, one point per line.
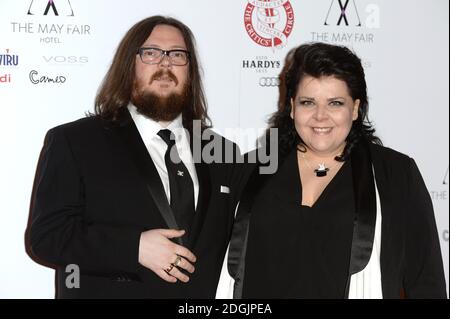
118	84
317	60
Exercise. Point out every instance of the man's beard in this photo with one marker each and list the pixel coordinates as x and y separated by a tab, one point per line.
159	108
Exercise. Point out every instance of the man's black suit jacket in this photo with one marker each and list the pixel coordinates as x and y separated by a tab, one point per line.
96	190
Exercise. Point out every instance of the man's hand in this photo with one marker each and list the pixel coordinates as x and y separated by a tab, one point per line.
157	253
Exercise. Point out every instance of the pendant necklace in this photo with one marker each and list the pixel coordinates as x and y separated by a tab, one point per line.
322	170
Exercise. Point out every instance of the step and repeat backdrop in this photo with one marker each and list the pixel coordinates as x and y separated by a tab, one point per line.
54	54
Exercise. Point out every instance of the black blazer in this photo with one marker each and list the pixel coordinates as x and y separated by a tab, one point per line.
96	190
410	257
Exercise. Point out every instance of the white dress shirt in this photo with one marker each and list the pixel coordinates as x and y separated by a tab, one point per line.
148	129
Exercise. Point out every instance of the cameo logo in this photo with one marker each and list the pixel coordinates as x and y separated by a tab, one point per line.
269	23
48	6
36	78
269	82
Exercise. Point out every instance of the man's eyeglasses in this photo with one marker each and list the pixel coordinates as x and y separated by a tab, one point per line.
156	55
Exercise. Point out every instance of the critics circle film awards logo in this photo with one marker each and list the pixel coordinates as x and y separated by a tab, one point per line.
269	22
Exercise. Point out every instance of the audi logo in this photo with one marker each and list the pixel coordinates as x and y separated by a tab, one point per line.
269	82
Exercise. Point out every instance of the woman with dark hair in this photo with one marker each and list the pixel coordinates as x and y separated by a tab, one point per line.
343	216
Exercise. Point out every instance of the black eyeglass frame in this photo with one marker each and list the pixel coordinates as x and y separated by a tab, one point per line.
164	53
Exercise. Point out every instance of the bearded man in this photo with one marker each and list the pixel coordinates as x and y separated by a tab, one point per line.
118	195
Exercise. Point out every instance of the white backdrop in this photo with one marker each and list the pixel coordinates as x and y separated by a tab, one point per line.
404	45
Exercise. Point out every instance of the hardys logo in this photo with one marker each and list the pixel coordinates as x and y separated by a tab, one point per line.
269	23
46	7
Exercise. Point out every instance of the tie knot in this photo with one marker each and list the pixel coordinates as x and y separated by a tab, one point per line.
167	137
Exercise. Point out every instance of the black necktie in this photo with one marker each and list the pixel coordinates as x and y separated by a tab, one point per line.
181	186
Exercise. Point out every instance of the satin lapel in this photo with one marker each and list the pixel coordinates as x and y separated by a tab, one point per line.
145	165
365	209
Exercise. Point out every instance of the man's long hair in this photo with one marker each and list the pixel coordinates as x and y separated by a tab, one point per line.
117	87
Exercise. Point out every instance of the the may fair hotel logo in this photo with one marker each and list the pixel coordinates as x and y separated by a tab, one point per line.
347	22
51	22
268	24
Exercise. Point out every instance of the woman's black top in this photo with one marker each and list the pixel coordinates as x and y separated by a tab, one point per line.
296	251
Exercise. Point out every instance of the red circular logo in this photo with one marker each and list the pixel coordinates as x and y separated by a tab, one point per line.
269	22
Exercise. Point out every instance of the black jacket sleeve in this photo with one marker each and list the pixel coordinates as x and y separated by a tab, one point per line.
424	274
59	231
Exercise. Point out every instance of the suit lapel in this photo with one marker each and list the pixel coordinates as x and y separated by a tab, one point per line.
138	152
365	209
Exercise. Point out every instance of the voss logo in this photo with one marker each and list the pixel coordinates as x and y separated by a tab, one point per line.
62	59
269	23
